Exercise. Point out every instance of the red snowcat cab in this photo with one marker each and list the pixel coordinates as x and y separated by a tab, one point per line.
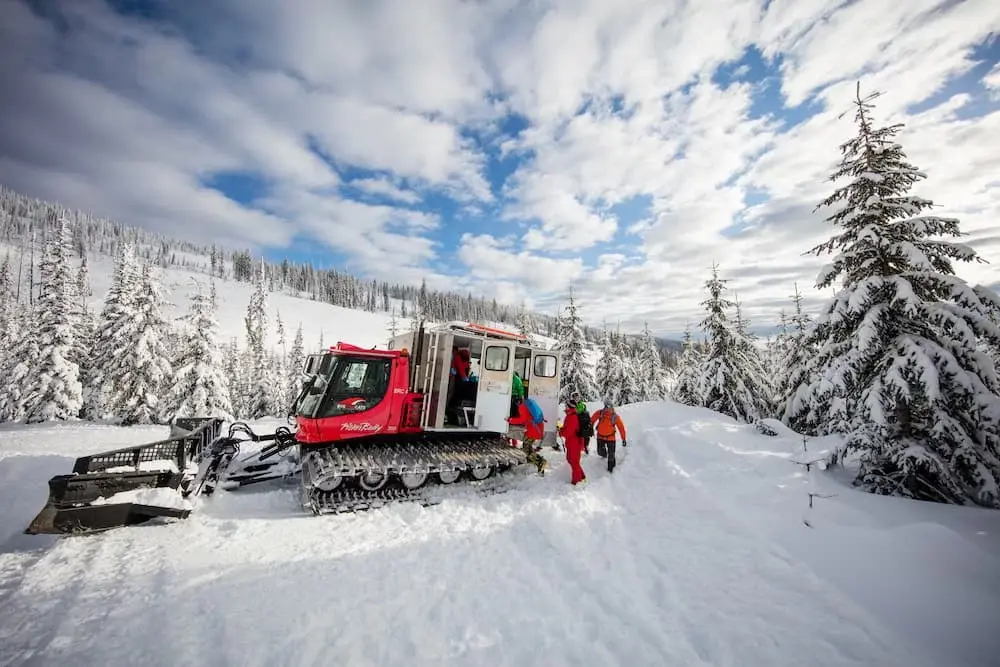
372	426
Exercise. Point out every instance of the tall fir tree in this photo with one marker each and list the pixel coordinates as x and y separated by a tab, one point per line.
649	368
279	370
727	382
20	365
899	369
54	391
107	367
296	363
753	364
575	376
603	370
624	385
138	399
86	329
233	367
256	367
687	385
392	327
795	372
525	324
198	386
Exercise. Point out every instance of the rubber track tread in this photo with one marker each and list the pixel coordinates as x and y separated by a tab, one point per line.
422	456
358	500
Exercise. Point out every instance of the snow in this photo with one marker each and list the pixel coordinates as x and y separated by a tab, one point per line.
147	466
693	553
158	497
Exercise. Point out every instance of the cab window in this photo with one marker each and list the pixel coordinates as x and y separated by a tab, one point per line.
545	366
497	358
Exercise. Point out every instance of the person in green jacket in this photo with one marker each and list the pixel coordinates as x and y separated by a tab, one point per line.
516	394
517	391
585	422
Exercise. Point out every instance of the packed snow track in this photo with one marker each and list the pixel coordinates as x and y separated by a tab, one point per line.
651	566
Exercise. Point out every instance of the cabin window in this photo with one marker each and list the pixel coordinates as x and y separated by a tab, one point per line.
545	366
497	358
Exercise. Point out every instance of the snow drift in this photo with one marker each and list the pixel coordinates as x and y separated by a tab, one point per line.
693	553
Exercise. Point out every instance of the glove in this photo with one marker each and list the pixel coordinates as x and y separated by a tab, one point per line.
624	443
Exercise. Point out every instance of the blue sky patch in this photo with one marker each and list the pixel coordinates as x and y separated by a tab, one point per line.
244	187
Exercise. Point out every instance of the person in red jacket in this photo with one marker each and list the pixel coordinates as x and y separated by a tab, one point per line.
461	364
532	433
570	432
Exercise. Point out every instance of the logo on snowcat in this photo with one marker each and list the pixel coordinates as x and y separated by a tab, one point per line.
363	427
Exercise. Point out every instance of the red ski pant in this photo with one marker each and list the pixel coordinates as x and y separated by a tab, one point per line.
574	450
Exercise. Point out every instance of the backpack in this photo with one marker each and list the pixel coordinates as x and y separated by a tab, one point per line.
612	420
537	416
586	428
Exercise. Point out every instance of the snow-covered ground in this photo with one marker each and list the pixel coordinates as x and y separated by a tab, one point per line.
693	553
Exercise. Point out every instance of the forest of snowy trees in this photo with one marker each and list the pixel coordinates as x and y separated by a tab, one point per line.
128	364
23	223
903	361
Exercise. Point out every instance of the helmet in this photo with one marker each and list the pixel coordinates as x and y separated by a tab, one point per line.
608	403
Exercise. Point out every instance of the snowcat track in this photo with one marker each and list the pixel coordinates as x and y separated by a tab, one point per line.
423	453
358	500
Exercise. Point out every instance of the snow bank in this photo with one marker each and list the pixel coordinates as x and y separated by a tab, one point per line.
160	497
693	553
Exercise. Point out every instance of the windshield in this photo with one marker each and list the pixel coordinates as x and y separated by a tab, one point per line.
315	386
344	385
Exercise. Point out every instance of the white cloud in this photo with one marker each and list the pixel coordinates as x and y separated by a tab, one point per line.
992	81
127	118
384	188
489	258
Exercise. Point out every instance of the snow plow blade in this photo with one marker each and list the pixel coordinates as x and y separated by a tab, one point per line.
75	502
154	479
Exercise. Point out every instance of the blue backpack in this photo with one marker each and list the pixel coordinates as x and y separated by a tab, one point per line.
537	416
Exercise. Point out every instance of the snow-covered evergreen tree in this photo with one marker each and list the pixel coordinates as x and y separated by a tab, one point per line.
576	376
392	328
752	363
19	366
899	367
257	366
525	324
233	367
296	362
728	382
139	397
687	386
795	363
107	367
86	328
624	383
604	366
199	386
279	370
652	376
54	391
8	308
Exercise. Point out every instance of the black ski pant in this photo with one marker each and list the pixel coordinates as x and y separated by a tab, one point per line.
607	448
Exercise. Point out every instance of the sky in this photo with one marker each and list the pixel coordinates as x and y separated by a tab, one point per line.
511	148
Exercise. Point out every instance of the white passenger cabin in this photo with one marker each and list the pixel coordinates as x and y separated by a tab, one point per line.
494	355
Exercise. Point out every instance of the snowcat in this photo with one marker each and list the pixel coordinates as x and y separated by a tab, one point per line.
372	426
